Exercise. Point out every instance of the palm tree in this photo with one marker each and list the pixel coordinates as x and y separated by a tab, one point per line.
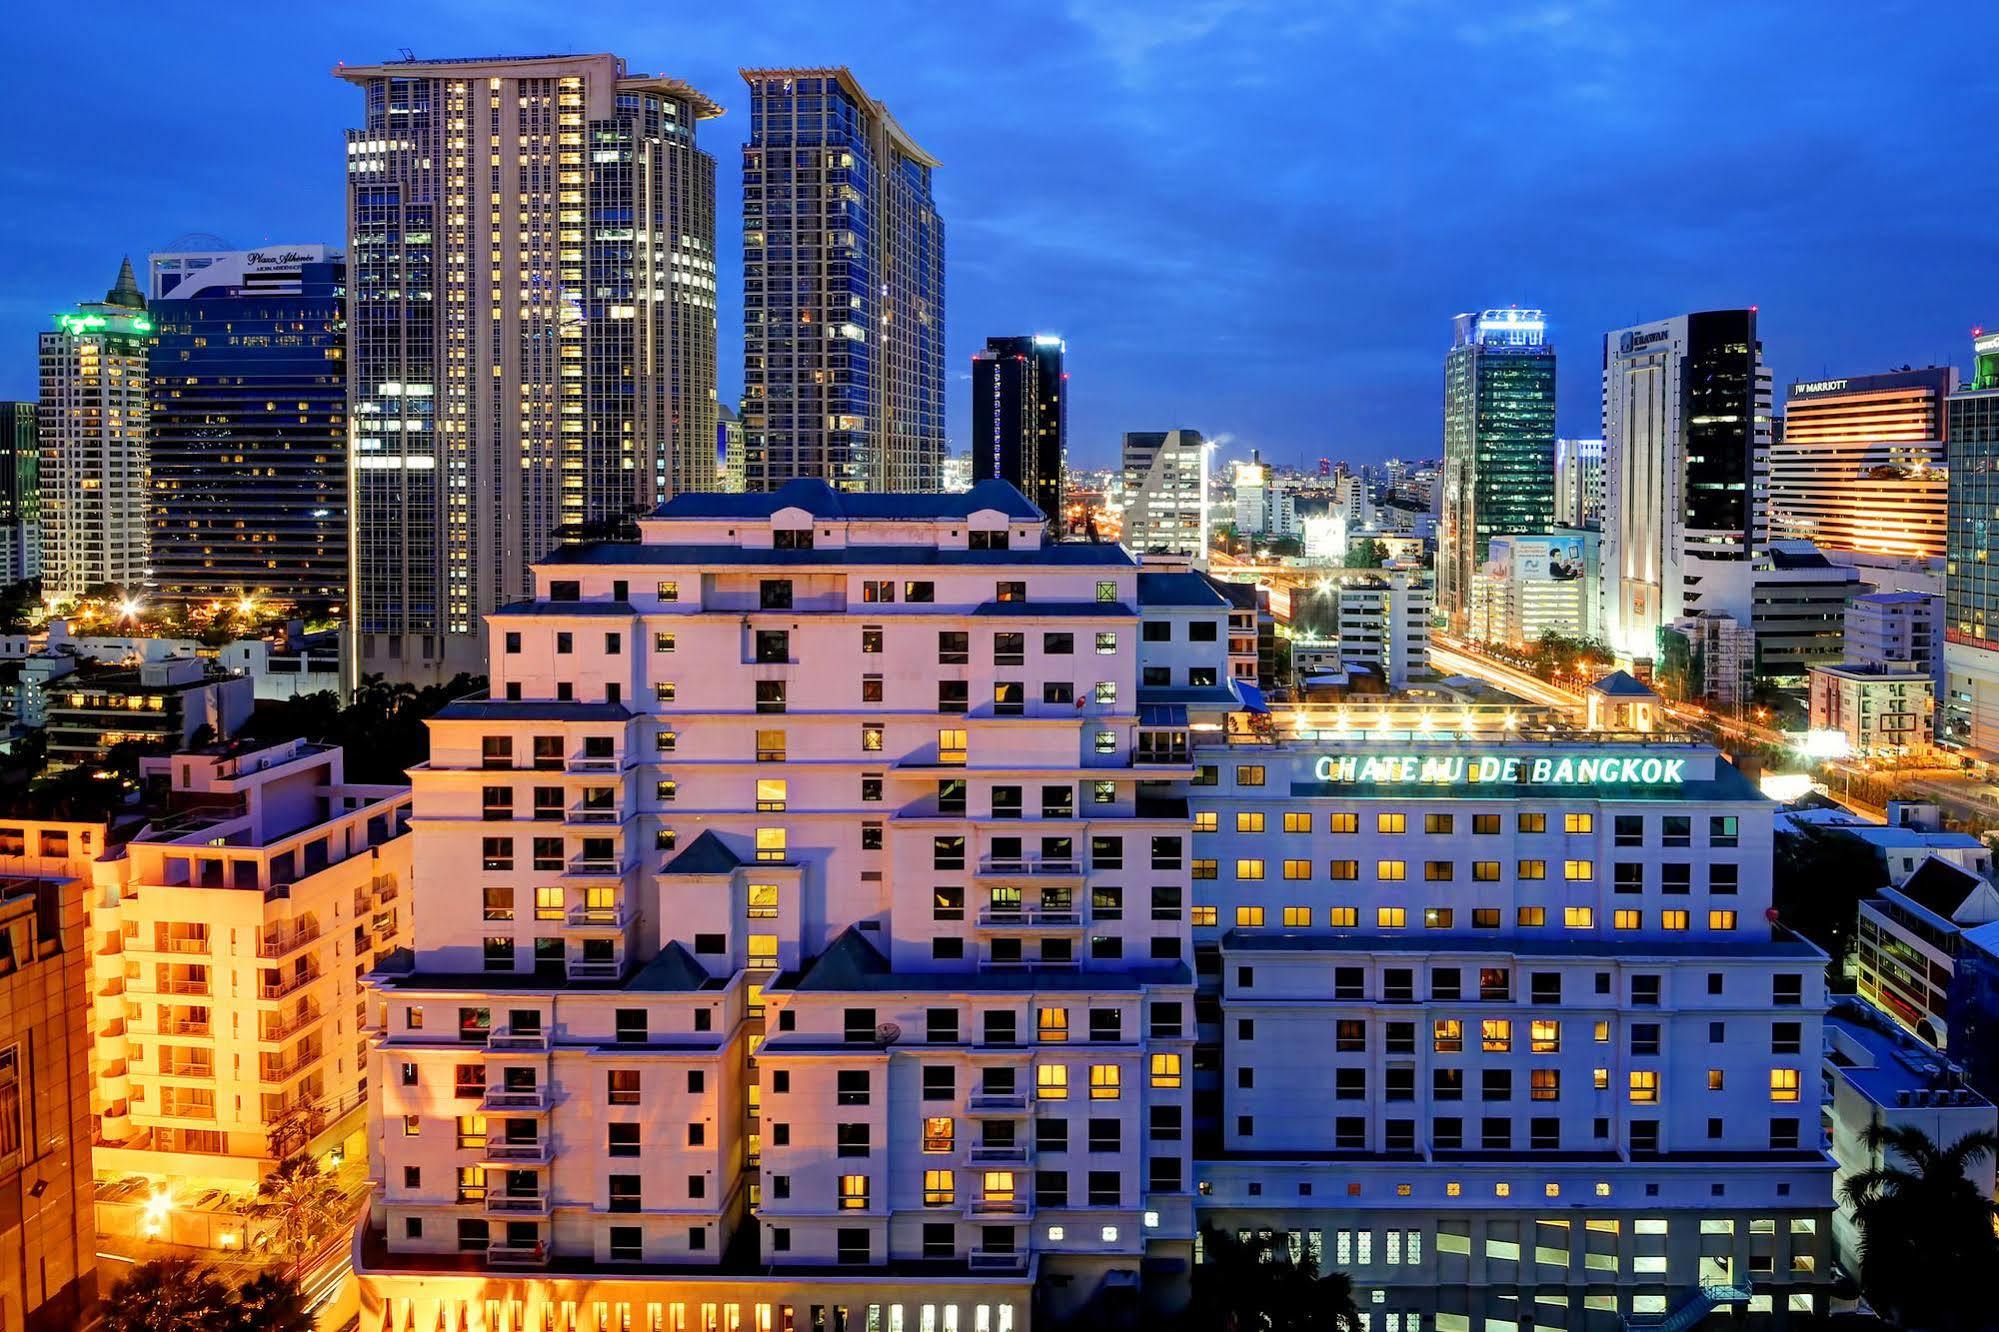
292	1132
272	1302
1254	1284
169	1295
298	1199
1927	1248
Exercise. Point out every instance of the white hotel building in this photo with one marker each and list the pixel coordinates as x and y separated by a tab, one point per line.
855	945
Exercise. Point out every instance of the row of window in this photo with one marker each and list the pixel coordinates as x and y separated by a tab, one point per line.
1445	918
1626	876
1675	830
1497	1133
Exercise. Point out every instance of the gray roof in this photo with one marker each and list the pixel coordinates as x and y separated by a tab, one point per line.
853	963
560	608
1784	946
556	710
1055	610
1178	589
706	854
822	501
1939	886
1065	554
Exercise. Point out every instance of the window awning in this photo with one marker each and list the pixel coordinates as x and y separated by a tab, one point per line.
1162	714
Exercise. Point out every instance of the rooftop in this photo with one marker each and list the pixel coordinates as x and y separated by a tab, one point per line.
1064	554
1782	945
822	501
854	964
1885	1065
1178	589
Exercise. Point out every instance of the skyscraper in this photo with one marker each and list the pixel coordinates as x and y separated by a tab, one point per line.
20	493
843	290
1499	444
1970	707
1686	430
531	329
1166	506
1020	414
1860	463
92	425
248	425
1579	482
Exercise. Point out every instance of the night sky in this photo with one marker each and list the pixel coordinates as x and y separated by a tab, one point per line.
1253	219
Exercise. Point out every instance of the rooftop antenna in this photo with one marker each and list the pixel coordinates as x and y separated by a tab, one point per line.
409	56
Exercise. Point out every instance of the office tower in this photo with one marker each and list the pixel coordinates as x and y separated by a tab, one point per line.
1860	465
843	290
1499	444
1579	483
1166	506
92	424
729	450
1532	586
1383	622
531	339
1970	705
1263	505
20	493
1686	428
48	1227
751	784
1020	411
248	425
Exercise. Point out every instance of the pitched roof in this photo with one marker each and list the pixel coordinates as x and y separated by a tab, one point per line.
706	854
1621	684
1945	889
1178	589
822	501
674	968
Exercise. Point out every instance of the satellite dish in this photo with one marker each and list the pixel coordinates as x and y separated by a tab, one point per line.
888	1033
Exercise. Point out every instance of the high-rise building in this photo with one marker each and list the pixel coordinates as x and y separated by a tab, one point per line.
729	450
1499	444
1970	706
48	1227
20	493
843	290
248	425
1686	427
92	424
1020	412
1166	505
531	339
1860	465
1579	483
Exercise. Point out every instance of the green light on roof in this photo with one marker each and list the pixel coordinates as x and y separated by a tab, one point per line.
97	323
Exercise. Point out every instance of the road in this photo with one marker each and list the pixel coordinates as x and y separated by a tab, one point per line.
1450	657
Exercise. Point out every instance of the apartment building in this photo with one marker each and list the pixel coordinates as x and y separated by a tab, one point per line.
827	961
1908	938
1564	1068
228	934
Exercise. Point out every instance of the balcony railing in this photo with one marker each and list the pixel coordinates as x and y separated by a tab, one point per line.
998	1102
588	814
1011	1154
285	1028
997	1260
170	986
517	1255
999	1207
187	1068
502	1098
522	1204
1023	963
280	988
517	1040
289	941
1009	917
610	916
593	969
183	1027
518	1153
1068	866
594	867
581	764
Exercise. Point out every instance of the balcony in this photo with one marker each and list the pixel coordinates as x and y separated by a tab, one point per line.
516	1153
593	815
517	1204
1030	918
997	1260
284	943
999	1207
1036	867
997	1103
277	1072
594	867
166	985
290	985
184	1027
1024	963
516	1255
532	1042
286	1028
516	1098
592	969
579	763
610	918
1012	1154
187	1068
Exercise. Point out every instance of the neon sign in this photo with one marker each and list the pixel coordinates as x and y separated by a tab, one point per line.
1498	770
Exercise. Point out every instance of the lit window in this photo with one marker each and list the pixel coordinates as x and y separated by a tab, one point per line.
939	1188
1673	920
1495	1035
1532	870
1783	1084
1578	823
1578	871
1297	917
770	795
1166	1070
1246	821
1249	915
1545	1036
1297	869
1627	919
1052	1024
1645	1086
853	1193
1051	1082
1206	821
1390	871
1249	869
1578	917
771	844
1202	915
1721	920
763	901
1391	918
1105	1082
1297	823
1391	823
1343	917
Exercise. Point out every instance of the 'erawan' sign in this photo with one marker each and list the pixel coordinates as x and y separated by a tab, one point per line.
1499	770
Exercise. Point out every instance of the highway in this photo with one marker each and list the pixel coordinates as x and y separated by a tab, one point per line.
1449	657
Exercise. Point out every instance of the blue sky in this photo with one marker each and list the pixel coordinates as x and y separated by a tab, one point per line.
1252	218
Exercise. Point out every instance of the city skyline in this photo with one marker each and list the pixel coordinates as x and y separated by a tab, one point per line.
1316	333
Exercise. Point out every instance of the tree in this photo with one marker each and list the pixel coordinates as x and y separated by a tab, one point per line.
1254	1284
297	1199
1927	1247
1366	553
272	1302
294	1129
1819	876
382	729
169	1295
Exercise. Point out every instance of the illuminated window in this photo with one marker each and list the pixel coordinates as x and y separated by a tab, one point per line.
1673	920
1249	774
1578	871
1206	869
952	747
1439	871
1051	1082
939	1188
1531	916
1391	823
1343	869
1202	915
1545	1084
1532	870
1297	917
997	1186
1052	1024
1166	1070
662	642
1578	917
1250	869
1342	917
1249	916
1578	823
770	795
772	844
763	901
1721	920
1297	823
1206	821
1297	869
1447	1036
1390	871
1246	821
1495	1035
853	1193
770	746
1342	823
1783	1084
1485	871
1390	918
1105	1082
1715	1080
1437	918
1545	1036
1645	1086
1627	919
669	591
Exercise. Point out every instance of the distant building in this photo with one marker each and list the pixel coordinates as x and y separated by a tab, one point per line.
20	493
1383	621
92	424
1881	710
48	1228
1535	585
1499	444
957	474
1913	834
1906	944
1264	506
1020	409
843	308
1973	1009
1686	425
1579	483
161	702
1707	658
248	425
1166	505
1898	628
1861	465
1970	719
728	449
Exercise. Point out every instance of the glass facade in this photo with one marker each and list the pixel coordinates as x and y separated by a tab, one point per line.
1971	576
843	291
20	493
1499	444
1019	417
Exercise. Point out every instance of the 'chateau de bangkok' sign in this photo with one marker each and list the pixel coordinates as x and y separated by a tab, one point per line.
1499	770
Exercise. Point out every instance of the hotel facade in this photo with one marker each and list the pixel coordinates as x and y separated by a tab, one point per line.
881	914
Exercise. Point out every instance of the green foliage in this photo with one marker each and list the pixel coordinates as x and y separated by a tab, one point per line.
297	1200
1253	1284
1820	876
1366	553
382	729
181	1295
1927	1247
